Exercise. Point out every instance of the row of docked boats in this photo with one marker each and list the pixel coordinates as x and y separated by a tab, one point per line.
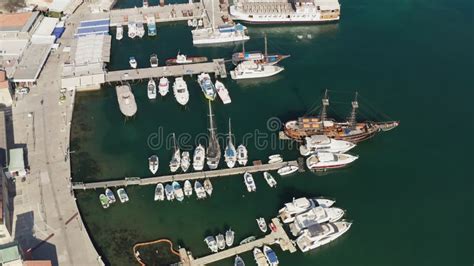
250	182
174	190
220	242
137	29
108	197
314	221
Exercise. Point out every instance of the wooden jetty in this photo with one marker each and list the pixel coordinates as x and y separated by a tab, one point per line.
279	236
182	177
217	66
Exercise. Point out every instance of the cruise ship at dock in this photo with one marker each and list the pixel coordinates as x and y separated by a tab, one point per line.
285	11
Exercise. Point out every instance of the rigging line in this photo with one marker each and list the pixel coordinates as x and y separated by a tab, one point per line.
313	111
373	109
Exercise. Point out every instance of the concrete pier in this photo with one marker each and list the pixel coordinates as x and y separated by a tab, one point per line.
182	177
217	66
279	236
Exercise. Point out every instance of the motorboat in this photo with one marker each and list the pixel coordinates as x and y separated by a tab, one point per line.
262	225
169	192
133	62
151	89
259	257
300	205
126	100
151	24
163	86
183	59
223	92
145	3
154	60
230	153
227	33
321	234
271	256
122	194
207	86
110	195
287	170
317	143
251	69
180	90
220	241
153	164
104	201
140	29
276	158
185	161
159	192
132	30
238	261
199	158
270	180
119	34
242	155
229	237
317	215
178	191
208	186
176	158
249	182
247	240
188	188
211	243
199	189
328	160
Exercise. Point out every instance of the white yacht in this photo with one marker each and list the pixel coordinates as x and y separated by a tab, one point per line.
126	100
207	86
328	160
176	158
317	215
251	69
321	234
188	188
199	158
163	86
208	186
221	34
270	180
223	92
132	30
300	205
199	189
169	192
178	191
242	155
220	241
140	29
259	257
159	192
180	90
317	143
275	158
153	164
249	182
229	237
119	34
185	161
122	194
151	89
271	256
287	170
262	225
211	243
133	62
230	153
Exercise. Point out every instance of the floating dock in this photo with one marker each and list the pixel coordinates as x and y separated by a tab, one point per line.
279	236
143	181
217	66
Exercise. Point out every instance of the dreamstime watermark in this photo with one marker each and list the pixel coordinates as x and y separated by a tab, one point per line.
258	139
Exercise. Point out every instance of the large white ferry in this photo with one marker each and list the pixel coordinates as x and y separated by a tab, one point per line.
285	11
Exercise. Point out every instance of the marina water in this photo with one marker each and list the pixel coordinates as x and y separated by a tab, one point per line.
409	194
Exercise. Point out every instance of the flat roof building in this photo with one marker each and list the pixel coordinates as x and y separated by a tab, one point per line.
17	22
31	63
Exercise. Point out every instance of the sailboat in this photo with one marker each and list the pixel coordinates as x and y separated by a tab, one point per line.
230	154
263	58
213	150
176	158
349	130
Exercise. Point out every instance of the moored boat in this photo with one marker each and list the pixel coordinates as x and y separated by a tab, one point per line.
259	257
163	86
159	192
317	215
317	143
242	155
249	182
126	100
104	201
199	189
151	89
140	29
133	62
287	170
110	195
270	255
223	92
262	225
300	205
119	34
132	30
154	60
270	180
169	192
251	69
199	157
213	155
276	158
207	86
153	164
122	194
185	161
211	243
229	237
247	240
151	24
188	188
180	90
259	57
183	59
328	160
222	34
220	241
238	261
321	234
230	153
208	186
176	158
178	191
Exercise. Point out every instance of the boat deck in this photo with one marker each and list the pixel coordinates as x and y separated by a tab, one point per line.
142	181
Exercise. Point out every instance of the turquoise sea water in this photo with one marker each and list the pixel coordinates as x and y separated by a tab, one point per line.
410	192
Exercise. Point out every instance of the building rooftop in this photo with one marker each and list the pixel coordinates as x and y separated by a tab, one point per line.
31	63
37	263
9	253
17	22
3	80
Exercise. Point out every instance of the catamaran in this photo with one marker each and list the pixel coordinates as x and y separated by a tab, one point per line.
213	150
223	92
163	86
119	34
251	69
230	154
300	205
151	89
242	155
122	194
249	182
321	234
169	192
153	164
199	189
208	186
199	157
270	180
207	86
188	188
133	62
176	158
180	90
328	160
323	143
159	192
178	191
154	60
185	161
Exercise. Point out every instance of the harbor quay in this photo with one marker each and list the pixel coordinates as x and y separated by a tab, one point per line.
143	181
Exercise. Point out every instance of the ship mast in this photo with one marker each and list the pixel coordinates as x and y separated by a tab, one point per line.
230	133
352	118
266	50
323	115
174	142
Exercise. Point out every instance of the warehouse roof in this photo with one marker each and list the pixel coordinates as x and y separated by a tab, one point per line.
20	22
31	63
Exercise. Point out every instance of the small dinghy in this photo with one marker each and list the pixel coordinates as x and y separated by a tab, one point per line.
169	191
229	237
247	240
276	158
239	261
178	191
104	201
270	180
249	182
159	192
208	186
185	161
220	241
287	170
110	195
122	194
